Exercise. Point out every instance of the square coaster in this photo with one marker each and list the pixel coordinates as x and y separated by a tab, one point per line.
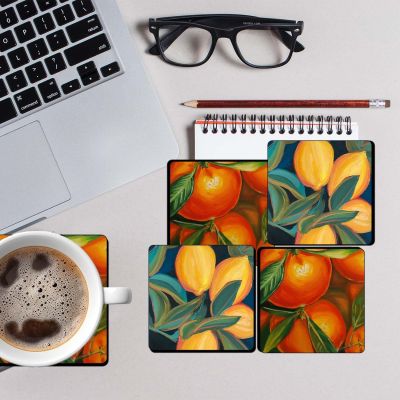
217	202
95	352
321	192
311	300
201	299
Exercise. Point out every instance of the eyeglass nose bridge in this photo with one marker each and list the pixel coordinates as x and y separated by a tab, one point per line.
224	33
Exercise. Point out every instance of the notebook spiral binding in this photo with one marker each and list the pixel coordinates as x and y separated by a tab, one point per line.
279	124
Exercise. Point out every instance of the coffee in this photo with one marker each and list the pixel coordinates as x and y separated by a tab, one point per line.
43	298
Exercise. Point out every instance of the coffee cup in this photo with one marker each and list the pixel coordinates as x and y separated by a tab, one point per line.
63	267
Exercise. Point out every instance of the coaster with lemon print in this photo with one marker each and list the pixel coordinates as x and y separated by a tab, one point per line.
201	298
321	192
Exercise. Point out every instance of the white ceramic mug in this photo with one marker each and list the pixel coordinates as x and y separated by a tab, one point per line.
98	296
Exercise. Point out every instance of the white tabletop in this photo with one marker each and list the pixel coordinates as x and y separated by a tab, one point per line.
352	51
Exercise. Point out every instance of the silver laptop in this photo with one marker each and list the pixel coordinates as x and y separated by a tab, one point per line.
78	116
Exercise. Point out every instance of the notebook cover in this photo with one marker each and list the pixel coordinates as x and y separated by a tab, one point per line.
311	300
212	202
201	298
95	352
321	192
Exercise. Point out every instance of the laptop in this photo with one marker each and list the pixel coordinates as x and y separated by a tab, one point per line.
78	116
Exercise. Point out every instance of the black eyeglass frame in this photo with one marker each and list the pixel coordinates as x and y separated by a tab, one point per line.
242	22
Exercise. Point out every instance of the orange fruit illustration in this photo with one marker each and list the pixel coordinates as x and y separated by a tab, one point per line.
355	340
362	222
216	191
199	341
258	179
321	235
261	204
351	164
250	212
233	269
264	318
342	301
237	229
97	251
313	163
244	328
306	278
97	347
270	256
353	290
325	315
208	237
351	267
177	169
247	195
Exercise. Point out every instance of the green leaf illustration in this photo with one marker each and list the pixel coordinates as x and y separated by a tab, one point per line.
248	166
195	237
287	180
222	239
201	311
82	240
276	149
328	218
358	311
279	200
279	333
332	253
320	342
189	224
160	305
347	236
344	192
225	297
180	191
318	208
270	279
264	226
168	285
282	312
229	342
213	323
156	258
298	209
179	315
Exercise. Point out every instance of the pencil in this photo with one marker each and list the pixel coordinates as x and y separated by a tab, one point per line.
373	103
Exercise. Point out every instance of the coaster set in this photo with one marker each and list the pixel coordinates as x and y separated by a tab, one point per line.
96	351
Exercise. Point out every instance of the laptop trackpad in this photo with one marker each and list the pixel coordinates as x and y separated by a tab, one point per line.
30	180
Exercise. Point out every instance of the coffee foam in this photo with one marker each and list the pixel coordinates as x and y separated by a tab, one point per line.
43	298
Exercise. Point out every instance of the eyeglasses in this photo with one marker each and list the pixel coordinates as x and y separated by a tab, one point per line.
189	41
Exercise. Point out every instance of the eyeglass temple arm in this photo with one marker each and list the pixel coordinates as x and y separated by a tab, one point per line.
170	37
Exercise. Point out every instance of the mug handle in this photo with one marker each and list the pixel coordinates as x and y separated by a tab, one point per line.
117	295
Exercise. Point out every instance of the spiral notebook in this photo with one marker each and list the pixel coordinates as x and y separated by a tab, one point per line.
246	137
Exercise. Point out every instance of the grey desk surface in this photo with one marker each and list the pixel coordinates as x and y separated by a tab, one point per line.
352	51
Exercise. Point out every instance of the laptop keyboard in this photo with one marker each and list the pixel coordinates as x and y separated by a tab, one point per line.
50	50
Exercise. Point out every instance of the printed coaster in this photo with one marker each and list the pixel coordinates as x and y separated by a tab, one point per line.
201	298
311	300
217	202
321	192
95	352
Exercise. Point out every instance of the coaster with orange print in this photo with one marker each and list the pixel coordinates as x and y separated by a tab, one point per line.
311	300
95	352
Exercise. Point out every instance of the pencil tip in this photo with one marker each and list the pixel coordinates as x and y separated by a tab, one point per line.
192	103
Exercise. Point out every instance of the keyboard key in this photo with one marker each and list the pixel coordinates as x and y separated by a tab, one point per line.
49	90
45	5
36	72
26	9
64	15
3	89
7	41
44	23
83	7
57	40
5	3
110	69
8	18
87	68
84	28
18	57
4	67
55	63
37	49
16	81
27	100
7	110
88	73
25	32
88	49
71	86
